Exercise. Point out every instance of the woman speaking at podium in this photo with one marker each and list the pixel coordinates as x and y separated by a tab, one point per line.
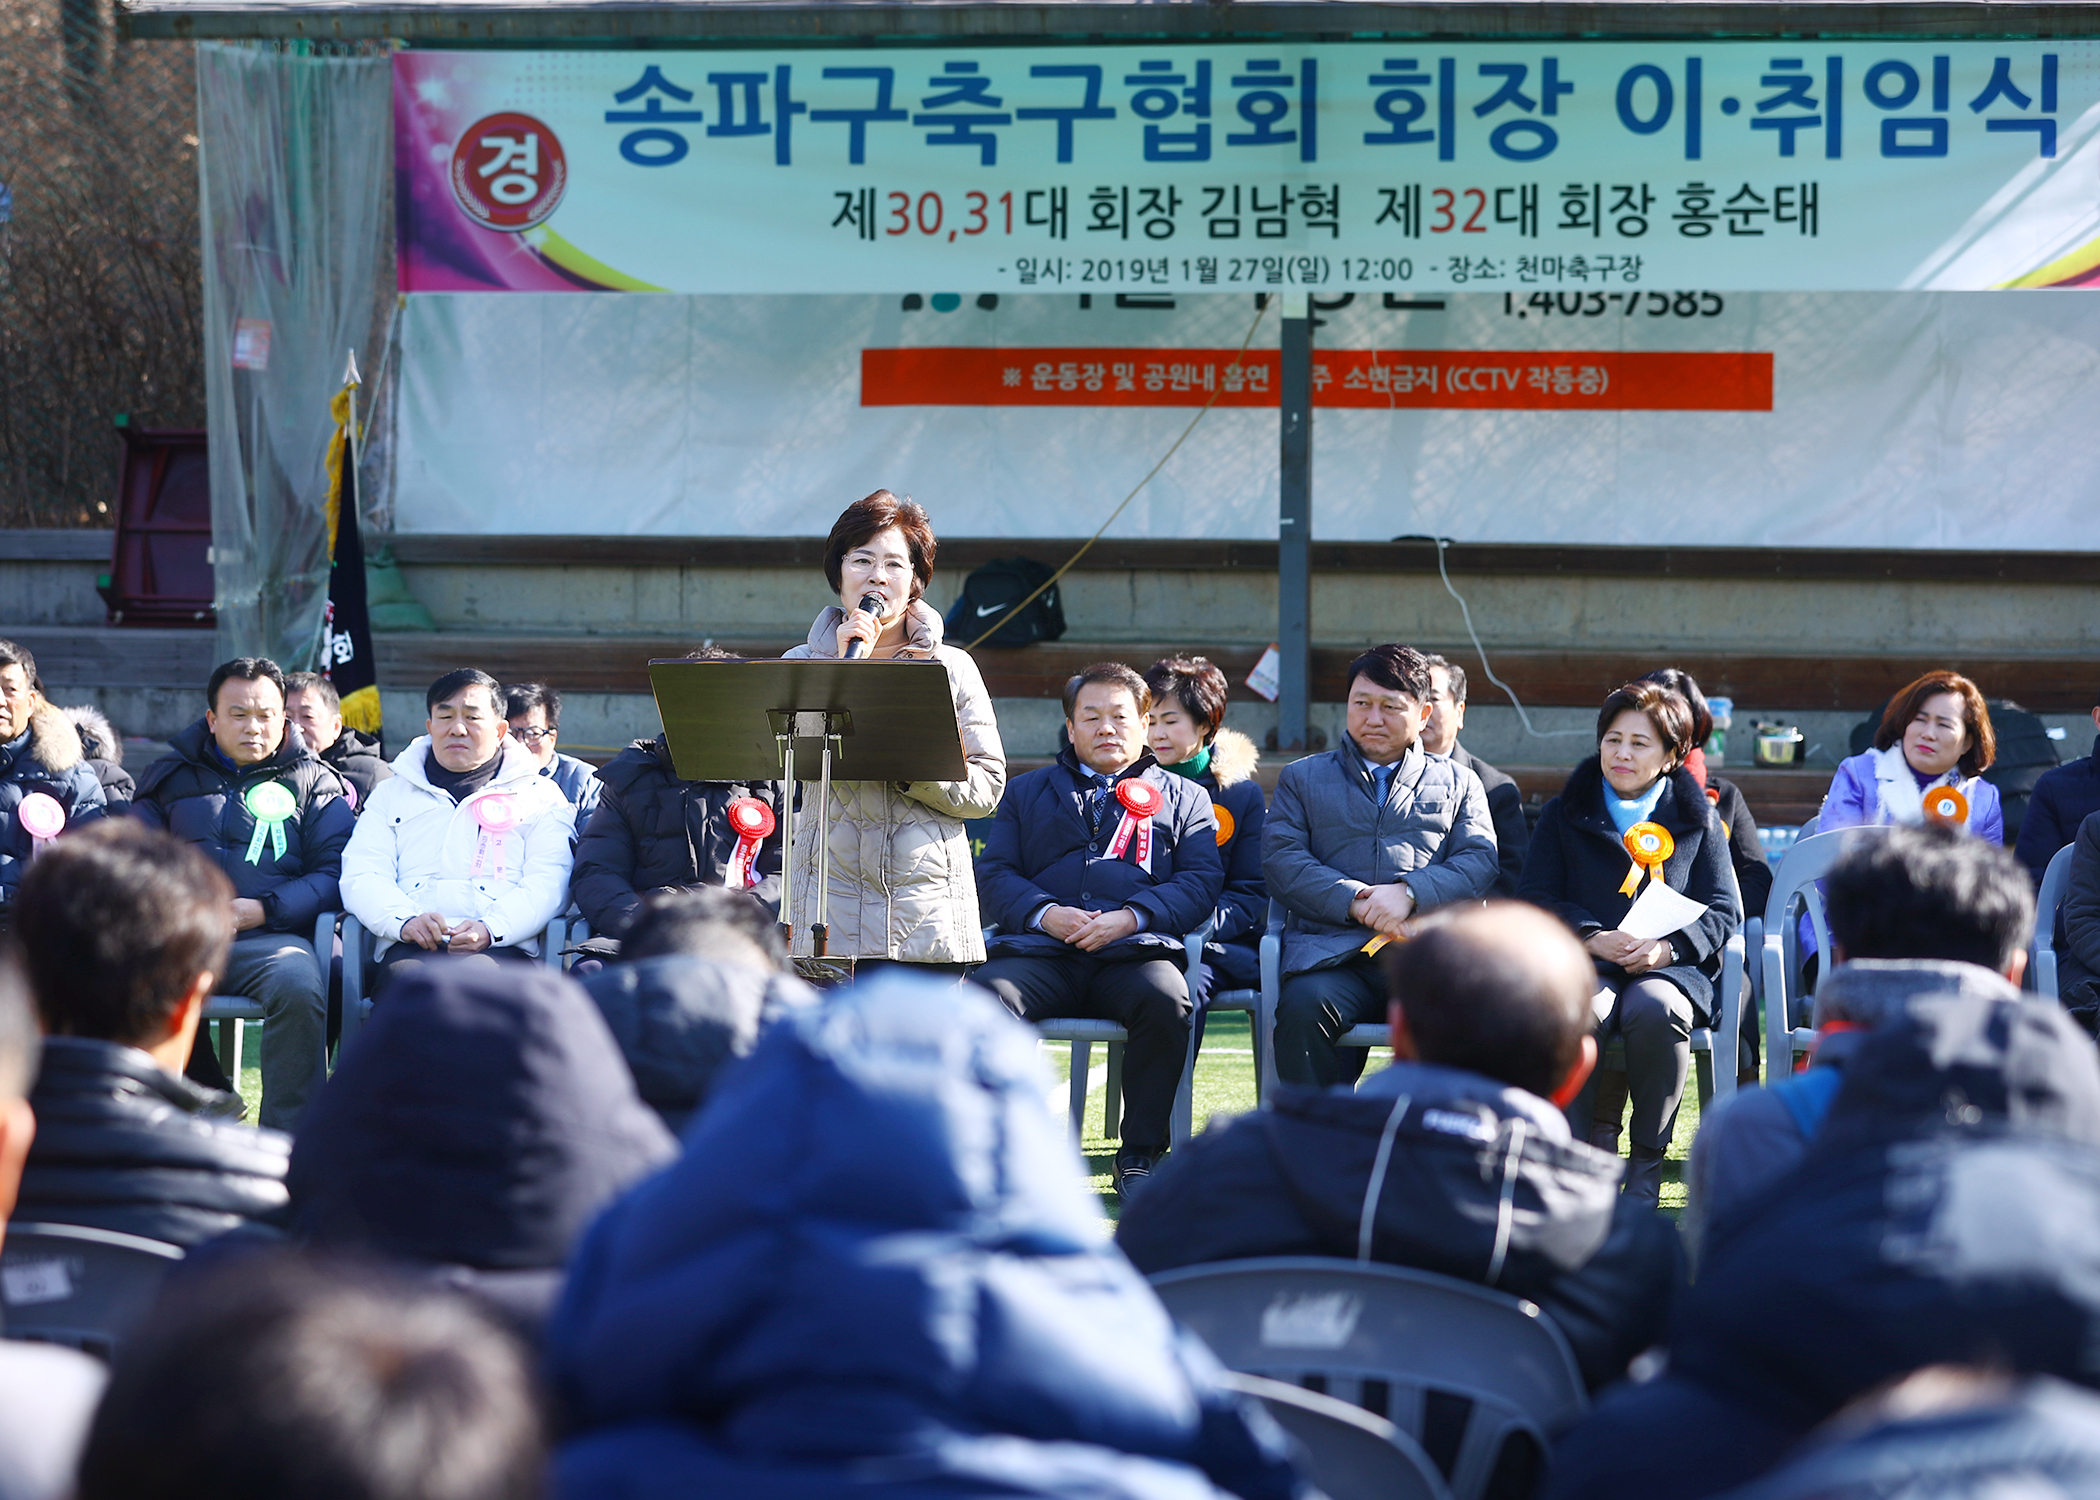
902	885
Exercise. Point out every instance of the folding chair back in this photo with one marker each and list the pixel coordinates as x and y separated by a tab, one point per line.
2041	954
1480	1380
84	1288
1787	1032
1346	1452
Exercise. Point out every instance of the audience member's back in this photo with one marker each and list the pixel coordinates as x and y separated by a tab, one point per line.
1919	911
47	1394
123	929
1465	1163
478	1123
1943	1214
877	1271
702	972
274	1378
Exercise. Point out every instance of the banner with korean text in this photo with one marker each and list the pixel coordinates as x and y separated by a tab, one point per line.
1893	419
1387	167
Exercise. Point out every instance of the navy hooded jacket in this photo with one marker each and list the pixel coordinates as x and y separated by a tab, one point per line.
480	1121
1041	852
877	1271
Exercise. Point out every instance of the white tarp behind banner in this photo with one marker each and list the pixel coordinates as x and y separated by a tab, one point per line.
1902	420
1385	166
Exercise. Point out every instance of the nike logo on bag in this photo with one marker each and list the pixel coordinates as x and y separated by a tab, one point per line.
988	609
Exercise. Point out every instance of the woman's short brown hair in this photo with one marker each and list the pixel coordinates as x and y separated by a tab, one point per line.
1196	684
1983	741
864	519
1666	710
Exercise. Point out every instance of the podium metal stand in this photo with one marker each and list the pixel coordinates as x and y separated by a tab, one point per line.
784	720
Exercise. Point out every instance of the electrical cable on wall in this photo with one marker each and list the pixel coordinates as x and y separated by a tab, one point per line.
1529	728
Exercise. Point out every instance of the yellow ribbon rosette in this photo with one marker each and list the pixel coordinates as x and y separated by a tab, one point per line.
1650	845
1944	804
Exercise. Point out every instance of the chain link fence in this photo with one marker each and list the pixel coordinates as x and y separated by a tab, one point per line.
100	289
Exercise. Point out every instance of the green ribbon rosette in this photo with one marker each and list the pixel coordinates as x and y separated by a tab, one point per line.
272	803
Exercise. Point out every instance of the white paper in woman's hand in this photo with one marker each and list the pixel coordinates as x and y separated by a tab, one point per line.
1659	911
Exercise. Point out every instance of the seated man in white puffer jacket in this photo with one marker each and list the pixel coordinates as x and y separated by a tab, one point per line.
466	849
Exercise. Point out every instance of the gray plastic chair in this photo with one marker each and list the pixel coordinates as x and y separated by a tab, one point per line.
84	1288
1481	1380
1083	1032
357	952
232	1012
1787	1034
2041	953
1344	1450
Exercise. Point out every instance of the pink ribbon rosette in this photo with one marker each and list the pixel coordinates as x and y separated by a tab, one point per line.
498	815
42	818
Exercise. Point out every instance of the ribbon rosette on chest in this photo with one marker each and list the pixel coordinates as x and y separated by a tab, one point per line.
1944	804
752	822
42	818
272	804
1141	802
498	815
1650	845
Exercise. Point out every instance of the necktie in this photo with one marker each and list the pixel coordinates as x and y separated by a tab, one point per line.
1382	780
1097	800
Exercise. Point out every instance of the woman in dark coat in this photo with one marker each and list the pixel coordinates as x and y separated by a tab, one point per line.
1581	868
1187	735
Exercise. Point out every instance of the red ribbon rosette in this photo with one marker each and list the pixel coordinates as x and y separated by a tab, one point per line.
1141	802
752	822
1944	804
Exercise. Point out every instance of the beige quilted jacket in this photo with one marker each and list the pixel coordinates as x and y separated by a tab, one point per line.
902	885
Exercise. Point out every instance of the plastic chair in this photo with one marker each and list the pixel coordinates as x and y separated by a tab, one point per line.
1481	1380
2041	953
1249	1001
232	1012
84	1288
1793	889
357	952
1083	1032
1345	1451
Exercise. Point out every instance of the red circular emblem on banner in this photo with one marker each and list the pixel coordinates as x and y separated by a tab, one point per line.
1141	797
508	171
1946	805
751	818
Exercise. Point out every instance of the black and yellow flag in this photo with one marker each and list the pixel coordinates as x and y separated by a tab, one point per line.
346	637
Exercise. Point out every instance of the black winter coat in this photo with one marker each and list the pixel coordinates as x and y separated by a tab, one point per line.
652	831
357	758
1506	807
1040	851
1577	863
1746	851
45	758
1237	803
123	1144
1290	1180
202	800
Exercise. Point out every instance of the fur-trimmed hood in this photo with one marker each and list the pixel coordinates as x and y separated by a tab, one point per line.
1233	757
53	741
98	737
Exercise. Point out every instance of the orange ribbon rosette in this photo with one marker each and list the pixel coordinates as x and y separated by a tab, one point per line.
1944	804
1650	845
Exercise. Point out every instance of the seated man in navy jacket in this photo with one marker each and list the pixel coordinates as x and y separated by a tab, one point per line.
1095	871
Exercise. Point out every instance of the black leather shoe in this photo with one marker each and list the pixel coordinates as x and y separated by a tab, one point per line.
1133	1173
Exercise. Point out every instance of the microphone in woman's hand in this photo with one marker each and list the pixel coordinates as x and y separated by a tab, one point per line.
870	604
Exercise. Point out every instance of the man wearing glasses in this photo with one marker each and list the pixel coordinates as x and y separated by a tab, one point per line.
534	711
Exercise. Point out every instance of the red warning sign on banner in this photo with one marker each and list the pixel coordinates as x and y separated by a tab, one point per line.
1392	378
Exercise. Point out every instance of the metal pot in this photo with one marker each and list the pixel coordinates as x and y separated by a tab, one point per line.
1778	745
